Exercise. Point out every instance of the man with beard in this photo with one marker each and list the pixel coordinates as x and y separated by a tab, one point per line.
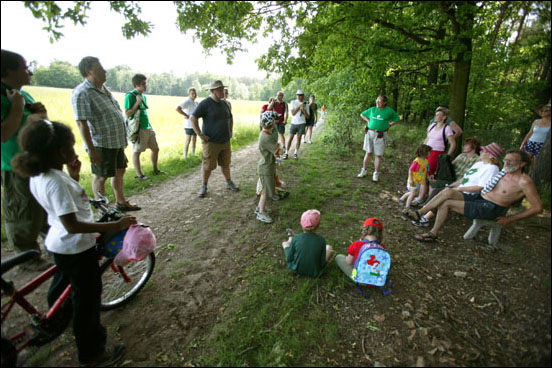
506	188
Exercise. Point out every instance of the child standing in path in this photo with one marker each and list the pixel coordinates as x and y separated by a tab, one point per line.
372	230
307	253
268	145
46	147
417	177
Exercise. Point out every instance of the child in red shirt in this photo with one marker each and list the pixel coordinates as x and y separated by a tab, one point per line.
372	230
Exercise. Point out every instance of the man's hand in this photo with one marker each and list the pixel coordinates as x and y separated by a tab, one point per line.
74	168
504	221
16	98
204	137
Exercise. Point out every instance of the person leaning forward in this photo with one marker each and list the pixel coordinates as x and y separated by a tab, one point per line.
215	135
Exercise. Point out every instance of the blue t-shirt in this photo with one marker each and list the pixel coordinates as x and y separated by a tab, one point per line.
216	119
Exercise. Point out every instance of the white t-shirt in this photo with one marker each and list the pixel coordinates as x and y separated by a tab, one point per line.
188	106
479	174
59	195
298	118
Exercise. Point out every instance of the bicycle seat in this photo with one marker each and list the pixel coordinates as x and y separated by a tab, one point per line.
18	259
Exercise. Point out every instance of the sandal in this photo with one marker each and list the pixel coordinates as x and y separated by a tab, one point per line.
127	207
426	237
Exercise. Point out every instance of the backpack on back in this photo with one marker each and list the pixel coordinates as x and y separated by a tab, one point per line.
133	126
372	266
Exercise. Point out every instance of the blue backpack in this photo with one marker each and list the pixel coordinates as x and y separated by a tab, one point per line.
372	267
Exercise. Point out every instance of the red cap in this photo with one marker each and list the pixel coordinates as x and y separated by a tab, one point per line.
373	221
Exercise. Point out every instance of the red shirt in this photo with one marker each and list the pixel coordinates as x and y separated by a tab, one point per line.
354	249
280	108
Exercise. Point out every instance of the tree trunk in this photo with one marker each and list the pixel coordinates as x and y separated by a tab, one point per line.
541	171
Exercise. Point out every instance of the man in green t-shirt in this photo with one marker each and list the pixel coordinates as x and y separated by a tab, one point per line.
379	119
134	101
24	218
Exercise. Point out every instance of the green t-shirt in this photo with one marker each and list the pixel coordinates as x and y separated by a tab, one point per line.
10	148
307	254
267	148
130	100
379	119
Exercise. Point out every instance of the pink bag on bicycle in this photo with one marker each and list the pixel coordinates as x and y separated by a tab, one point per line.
139	241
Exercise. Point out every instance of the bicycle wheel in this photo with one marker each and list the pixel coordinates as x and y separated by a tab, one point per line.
119	287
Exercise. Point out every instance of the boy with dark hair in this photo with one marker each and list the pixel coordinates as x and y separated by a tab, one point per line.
135	102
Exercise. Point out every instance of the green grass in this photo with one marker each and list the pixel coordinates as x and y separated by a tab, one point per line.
169	129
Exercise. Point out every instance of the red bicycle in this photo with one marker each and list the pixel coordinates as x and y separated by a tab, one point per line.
119	285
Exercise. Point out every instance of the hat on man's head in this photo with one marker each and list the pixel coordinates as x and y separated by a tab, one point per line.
300	92
494	150
310	219
373	221
268	118
216	84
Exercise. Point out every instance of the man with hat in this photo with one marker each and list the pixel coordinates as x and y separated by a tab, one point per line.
504	189
216	132
300	114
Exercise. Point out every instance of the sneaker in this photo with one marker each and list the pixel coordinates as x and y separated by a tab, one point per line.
202	191
375	176
231	186
362	173
275	197
263	217
109	357
295	156
309	141
416	202
422	223
285	156
142	177
157	172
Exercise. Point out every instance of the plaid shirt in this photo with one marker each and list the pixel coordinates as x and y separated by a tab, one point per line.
103	113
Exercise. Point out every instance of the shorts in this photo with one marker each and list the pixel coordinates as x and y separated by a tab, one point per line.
214	153
373	144
268	183
310	122
281	128
533	148
477	207
190	131
297	129
113	159
146	139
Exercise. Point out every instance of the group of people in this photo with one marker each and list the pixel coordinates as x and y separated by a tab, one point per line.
40	198
482	191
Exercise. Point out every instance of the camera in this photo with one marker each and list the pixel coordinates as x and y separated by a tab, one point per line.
305	102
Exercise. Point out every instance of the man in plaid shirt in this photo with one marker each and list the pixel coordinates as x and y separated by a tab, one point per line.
102	127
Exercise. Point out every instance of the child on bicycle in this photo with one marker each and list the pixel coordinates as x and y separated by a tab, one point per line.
46	147
417	177
372	230
307	253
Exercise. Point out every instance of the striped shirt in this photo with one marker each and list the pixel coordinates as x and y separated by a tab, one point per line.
103	114
493	182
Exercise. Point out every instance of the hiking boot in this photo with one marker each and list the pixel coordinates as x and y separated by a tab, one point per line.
202	191
362	173
375	176
263	217
231	186
109	357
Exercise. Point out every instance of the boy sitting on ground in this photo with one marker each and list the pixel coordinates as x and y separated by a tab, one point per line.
307	253
372	230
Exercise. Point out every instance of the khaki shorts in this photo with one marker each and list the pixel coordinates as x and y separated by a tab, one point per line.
146	140
268	183
214	153
113	159
373	144
297	129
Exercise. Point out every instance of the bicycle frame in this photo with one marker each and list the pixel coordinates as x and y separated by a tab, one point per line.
18	297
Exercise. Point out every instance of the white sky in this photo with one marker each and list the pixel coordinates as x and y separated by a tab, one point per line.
165	49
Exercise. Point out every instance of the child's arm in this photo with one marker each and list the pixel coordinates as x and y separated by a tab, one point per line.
74	226
350	259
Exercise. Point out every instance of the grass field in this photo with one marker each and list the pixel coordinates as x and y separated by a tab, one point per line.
169	129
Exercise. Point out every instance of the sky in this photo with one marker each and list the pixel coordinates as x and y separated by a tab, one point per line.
165	49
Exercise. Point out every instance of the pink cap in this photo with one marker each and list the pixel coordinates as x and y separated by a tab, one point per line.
310	219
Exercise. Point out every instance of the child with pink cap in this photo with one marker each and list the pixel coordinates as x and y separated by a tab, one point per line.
307	253
372	230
